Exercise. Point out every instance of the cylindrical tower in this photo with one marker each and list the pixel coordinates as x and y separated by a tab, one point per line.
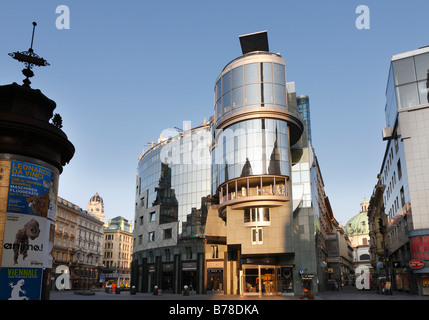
253	130
33	152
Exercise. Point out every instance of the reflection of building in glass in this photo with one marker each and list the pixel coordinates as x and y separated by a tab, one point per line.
173	181
332	259
303	104
404	171
215	205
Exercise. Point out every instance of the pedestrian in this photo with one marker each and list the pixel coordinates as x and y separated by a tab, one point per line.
307	294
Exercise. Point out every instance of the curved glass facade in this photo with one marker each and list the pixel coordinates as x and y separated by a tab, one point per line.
251	147
176	176
250	85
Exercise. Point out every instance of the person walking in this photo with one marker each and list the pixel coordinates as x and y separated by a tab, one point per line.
307	294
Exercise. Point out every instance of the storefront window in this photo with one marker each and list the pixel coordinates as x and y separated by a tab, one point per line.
251	280
286	275
266	280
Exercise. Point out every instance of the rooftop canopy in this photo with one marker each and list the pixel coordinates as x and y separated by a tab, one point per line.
257	41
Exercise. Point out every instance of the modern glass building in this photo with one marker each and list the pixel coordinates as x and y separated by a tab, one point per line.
404	171
215	204
173	181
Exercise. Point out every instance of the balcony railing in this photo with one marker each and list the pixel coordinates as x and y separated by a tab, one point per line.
254	188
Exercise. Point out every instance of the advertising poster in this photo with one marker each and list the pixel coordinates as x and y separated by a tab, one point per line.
31	189
20	283
26	241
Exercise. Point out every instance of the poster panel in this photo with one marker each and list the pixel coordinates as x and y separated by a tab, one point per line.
20	283
31	189
26	240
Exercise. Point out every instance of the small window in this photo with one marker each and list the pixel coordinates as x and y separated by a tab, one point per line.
168	233
257	236
152	236
399	169
152	216
215	252
167	254
259	216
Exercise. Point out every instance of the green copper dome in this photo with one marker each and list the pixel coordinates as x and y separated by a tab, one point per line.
358	225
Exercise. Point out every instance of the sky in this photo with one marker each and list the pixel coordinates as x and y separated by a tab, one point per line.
124	71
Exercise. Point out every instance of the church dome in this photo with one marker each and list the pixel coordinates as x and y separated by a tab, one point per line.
358	225
96	198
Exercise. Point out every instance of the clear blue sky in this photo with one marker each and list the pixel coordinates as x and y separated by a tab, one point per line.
127	70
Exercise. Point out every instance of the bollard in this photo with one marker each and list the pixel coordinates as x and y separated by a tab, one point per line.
133	290
155	290
186	290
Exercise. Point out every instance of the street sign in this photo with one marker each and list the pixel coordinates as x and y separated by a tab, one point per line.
301	271
416	264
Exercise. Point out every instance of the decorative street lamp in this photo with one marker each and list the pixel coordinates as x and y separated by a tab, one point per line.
30	59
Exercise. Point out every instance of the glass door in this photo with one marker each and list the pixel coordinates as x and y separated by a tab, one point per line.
251	280
261	280
268	280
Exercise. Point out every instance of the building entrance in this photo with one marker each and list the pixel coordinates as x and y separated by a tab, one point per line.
261	280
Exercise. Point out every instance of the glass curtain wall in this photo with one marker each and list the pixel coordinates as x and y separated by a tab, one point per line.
177	175
252	147
261	84
408	85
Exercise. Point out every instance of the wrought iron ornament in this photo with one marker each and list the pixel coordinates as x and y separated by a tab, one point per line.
30	59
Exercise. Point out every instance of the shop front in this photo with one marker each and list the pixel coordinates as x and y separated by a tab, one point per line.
151	278
266	280
214	275
167	277
422	281
189	275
